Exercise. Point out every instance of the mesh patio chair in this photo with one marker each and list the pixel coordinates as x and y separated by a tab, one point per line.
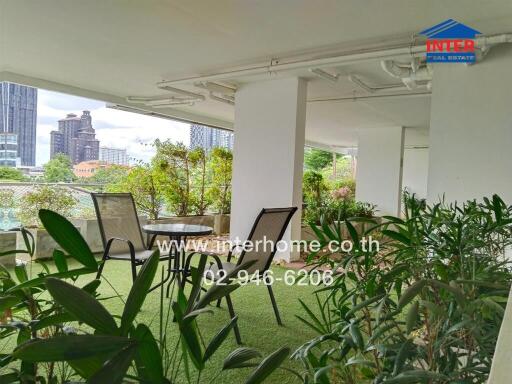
270	225
120	230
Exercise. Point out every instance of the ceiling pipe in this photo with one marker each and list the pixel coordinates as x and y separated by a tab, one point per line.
409	76
216	87
347	58
407	95
194	95
357	81
324	75
224	98
171	101
183	103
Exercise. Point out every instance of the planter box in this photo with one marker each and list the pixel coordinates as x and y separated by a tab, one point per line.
44	244
221	224
308	234
8	243
90	230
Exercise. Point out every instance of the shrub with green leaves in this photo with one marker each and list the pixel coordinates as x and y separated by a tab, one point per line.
58	199
60	332
425	308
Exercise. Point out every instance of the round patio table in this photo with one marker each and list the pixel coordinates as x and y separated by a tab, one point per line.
177	234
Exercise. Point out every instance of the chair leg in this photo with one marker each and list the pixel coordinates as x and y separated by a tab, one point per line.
232	314
274	304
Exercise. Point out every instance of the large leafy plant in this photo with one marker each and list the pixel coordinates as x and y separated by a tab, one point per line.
69	335
424	308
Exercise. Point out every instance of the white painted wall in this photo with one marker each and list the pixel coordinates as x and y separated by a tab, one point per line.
379	168
415	171
471	129
268	152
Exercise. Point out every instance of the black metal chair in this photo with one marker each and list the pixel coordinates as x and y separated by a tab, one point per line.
270	225
120	230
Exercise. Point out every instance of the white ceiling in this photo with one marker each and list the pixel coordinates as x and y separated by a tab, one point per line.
116	48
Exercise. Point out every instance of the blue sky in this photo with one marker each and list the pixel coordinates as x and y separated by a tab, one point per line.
114	128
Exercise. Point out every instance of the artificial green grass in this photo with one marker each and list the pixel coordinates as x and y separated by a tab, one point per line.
256	320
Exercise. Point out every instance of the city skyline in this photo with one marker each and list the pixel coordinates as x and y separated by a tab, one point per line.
205	137
75	138
114	128
18	116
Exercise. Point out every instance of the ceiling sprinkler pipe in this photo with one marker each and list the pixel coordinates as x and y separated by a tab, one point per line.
171	101
324	75
196	96
408	76
215	87
223	99
347	58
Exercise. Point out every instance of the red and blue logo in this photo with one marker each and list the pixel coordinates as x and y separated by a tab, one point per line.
450	42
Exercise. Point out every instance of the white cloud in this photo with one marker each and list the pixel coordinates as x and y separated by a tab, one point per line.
114	128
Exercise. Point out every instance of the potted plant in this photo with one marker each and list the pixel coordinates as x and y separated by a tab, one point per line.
221	168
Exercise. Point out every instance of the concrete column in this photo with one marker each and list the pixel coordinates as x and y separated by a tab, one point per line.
379	168
268	153
471	129
415	171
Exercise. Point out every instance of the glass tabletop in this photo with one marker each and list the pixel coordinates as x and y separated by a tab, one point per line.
177	229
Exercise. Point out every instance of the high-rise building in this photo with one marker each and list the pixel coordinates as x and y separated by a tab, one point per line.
113	156
208	137
18	118
76	138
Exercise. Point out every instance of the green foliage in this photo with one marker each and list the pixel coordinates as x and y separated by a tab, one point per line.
317	159
7	199
175	161
59	169
58	199
143	182
43	315
221	169
186	181
314	187
111	174
199	178
328	202
12	174
425	307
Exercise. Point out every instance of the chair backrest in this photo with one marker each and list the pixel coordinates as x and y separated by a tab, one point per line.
117	217
269	228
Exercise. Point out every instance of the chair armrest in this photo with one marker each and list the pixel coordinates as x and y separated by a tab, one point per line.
230	253
214	256
130	246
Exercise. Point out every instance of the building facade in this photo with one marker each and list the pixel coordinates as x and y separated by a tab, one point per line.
207	137
75	138
18	119
87	169
113	156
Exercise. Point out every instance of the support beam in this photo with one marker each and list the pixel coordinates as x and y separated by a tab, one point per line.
379	168
116	102
268	153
